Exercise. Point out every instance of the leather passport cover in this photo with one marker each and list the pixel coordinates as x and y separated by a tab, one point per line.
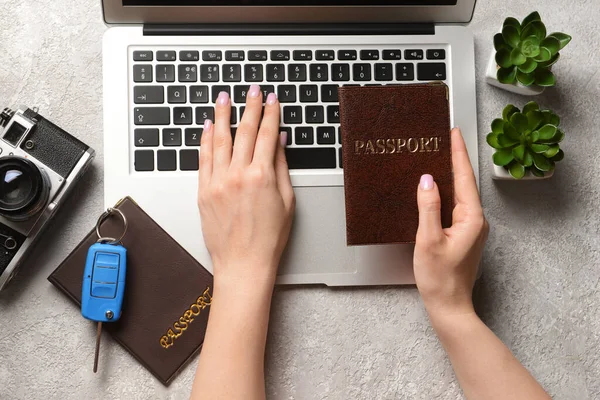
167	293
391	135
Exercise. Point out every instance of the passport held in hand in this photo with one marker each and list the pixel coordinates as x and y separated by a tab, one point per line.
391	135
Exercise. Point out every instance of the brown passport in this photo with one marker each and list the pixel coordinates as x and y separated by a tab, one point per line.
391	135
167	293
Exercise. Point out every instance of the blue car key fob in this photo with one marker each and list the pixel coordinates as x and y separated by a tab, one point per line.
104	279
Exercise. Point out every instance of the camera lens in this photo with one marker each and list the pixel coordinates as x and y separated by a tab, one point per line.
24	189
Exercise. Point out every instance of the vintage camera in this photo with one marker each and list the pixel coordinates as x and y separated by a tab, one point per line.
39	165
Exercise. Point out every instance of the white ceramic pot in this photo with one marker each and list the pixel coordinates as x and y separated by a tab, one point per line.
490	78
500	173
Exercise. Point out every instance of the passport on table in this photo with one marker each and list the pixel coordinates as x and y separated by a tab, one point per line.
167	293
391	135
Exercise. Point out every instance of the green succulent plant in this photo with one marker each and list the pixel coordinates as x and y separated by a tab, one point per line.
526	140
525	54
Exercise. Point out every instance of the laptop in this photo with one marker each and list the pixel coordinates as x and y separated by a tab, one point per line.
165	61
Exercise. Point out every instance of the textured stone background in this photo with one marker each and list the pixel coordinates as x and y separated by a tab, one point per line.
539	291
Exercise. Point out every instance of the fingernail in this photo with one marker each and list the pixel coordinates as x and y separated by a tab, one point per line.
223	98
271	99
283	138
254	91
207	124
426	182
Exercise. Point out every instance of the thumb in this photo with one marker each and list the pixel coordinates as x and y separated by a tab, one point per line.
430	220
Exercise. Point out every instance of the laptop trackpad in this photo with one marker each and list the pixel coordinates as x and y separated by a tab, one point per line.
317	242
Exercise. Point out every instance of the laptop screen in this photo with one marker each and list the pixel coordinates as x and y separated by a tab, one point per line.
172	3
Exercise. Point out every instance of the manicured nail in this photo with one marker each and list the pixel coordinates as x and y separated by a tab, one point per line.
426	182
254	91
223	98
283	138
271	99
207	124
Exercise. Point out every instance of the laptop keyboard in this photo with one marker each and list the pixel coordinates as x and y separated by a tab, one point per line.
174	92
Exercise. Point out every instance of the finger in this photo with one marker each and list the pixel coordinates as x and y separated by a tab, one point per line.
465	187
245	136
430	205
206	155
282	172
268	135
222	142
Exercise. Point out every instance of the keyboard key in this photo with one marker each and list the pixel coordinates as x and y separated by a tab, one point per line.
209	73
165	73
369	54
204	113
310	157
266	89
314	114
431	71
384	72
233	116
166	160
326	135
304	135
188	160
187	73
286	93
235	55
318	72
340	72
242	109
199	94
324	54
292	114
166	55
392	55
288	134
280	55
413	54
176	94
340	155
303	55
143	160
218	89
152	115
240	92
329	93
189	55
275	73
145	137
405	72
253	73
333	114
148	94
212	55
436	54
309	93
143	55
232	73
171	137
182	115
257	55
361	72
233	133
297	72
339	135
193	136
142	73
346	55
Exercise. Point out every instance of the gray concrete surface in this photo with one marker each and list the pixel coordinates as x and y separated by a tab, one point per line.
539	291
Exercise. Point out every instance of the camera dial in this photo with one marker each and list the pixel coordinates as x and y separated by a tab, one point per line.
24	188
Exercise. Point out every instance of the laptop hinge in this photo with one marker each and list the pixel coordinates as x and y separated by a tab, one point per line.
288	29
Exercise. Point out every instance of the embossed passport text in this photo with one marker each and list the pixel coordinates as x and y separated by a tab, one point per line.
391	135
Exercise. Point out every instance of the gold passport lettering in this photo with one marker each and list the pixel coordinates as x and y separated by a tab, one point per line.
184	321
392	145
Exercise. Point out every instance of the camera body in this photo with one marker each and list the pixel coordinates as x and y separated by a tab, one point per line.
40	164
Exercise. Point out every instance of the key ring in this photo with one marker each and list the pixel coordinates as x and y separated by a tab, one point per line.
106	214
9	242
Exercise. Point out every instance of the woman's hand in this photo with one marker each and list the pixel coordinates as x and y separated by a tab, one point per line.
245	195
446	260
